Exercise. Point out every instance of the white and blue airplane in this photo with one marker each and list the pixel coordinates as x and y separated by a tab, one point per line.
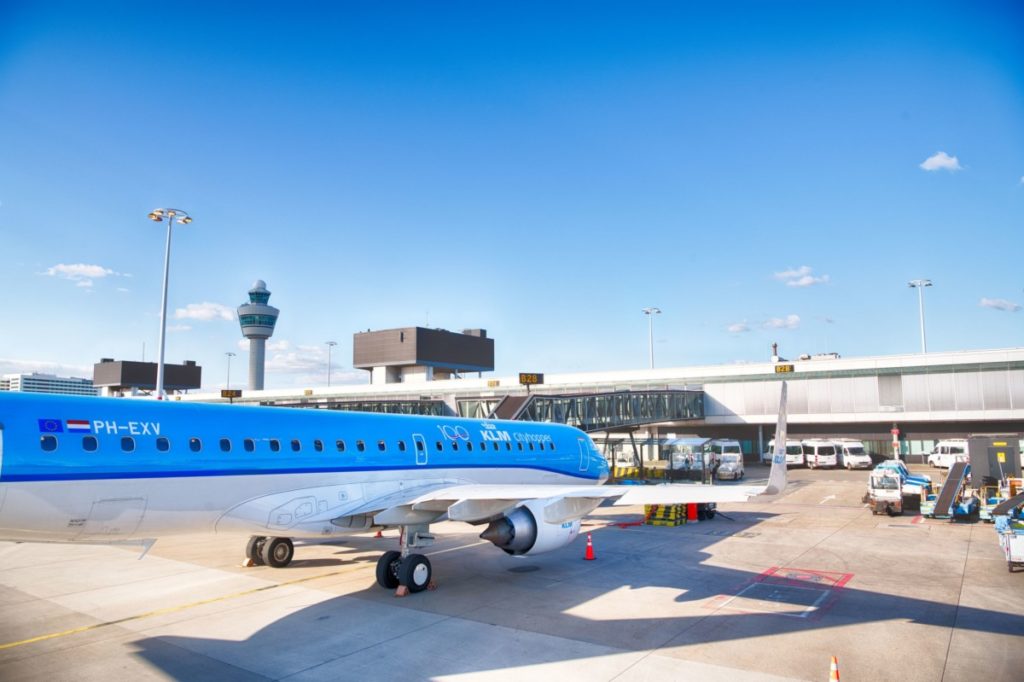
115	470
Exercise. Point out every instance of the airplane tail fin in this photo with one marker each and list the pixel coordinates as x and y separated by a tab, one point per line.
777	475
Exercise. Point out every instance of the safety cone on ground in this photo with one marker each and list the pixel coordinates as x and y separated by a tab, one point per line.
378	535
833	673
589	556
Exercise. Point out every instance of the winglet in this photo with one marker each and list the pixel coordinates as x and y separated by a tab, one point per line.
777	475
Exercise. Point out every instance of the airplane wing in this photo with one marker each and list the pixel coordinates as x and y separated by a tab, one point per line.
479	503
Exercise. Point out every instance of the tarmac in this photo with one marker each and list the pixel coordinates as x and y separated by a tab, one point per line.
769	593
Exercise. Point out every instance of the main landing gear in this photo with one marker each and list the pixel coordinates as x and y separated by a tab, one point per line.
273	552
405	571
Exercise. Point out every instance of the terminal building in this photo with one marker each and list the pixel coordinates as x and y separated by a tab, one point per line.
915	399
34	382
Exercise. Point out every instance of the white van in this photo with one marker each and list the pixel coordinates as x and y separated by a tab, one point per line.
819	453
720	447
852	454
794	453
946	453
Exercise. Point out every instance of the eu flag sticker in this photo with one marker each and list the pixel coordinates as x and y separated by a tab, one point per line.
51	426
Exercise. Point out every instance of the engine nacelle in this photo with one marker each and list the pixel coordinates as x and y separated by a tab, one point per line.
523	530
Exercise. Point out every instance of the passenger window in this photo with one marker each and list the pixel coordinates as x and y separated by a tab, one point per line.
48	443
340	444
552	445
275	445
520	445
381	446
225	445
195	445
162	444
401	446
89	443
508	445
542	446
531	446
296	445
419	446
127	444
318	445
455	445
360	446
249	445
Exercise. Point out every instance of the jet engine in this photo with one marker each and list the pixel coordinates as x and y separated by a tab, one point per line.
524	531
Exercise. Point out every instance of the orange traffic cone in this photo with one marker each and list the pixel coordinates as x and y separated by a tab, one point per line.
378	535
833	673
589	556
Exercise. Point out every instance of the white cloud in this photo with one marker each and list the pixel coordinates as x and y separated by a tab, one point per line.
788	322
793	273
205	312
123	290
800	277
79	271
999	304
82	274
941	161
738	328
14	366
179	328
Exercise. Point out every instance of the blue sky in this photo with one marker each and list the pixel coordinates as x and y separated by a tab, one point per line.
759	171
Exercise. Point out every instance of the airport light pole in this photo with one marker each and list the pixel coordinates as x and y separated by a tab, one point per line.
651	312
330	345
920	284
229	355
171	215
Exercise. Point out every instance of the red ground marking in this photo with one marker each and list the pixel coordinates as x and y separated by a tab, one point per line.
800	577
829	583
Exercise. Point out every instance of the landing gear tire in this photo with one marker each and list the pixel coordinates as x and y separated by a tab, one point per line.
387	569
710	514
277	552
414	572
254	549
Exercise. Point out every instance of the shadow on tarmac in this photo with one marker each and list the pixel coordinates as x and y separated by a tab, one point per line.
618	603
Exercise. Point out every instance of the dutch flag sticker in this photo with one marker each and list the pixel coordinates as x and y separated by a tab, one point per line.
79	426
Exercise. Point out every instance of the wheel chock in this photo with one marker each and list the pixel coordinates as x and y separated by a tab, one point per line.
248	563
402	591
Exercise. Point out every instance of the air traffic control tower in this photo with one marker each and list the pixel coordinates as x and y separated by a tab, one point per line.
257	320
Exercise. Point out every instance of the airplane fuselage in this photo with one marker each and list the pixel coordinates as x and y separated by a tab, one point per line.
100	470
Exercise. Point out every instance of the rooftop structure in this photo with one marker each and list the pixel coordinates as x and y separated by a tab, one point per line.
129	377
257	319
419	354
